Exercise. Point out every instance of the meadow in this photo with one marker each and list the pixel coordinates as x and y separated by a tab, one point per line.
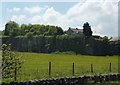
35	65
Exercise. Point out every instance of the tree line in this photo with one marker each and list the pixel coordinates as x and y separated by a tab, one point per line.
48	39
13	29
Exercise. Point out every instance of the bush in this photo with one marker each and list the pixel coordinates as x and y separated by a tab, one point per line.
10	63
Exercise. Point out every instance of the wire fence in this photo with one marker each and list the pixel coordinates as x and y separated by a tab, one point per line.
56	70
73	68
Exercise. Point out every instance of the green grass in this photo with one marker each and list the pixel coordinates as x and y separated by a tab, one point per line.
35	65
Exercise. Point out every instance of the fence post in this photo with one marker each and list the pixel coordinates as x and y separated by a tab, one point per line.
73	70
91	68
49	69
110	67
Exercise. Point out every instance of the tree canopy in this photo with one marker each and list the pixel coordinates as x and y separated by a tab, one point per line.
87	29
13	29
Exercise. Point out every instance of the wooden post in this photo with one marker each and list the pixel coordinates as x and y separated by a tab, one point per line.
73	70
91	68
110	67
49	69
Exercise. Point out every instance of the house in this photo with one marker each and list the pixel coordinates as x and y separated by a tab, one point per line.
96	36
75	32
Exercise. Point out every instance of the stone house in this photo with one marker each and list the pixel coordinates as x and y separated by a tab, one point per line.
75	32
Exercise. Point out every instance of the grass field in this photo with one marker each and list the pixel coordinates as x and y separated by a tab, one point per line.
35	65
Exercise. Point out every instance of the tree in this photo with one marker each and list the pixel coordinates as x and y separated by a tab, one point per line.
23	29
11	29
87	29
59	30
105	38
29	35
52	30
10	62
14	32
55	30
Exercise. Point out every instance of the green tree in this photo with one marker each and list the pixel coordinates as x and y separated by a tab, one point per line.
14	32
105	38
11	63
11	29
52	30
23	29
55	30
59	30
87	29
29	35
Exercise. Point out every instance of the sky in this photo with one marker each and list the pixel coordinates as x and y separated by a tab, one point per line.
102	15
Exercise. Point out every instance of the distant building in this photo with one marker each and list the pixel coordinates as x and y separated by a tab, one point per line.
75	32
96	36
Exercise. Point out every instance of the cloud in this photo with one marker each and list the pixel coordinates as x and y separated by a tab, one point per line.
40	0
16	9
24	0
18	18
28	10
2	26
36	19
102	16
9	10
51	16
33	10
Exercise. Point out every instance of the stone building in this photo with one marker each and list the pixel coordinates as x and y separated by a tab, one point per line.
75	32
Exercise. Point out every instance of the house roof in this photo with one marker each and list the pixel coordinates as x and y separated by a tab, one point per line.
76	30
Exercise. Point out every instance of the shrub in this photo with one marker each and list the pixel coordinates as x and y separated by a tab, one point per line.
10	63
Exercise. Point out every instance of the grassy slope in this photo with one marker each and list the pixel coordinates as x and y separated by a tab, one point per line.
35	65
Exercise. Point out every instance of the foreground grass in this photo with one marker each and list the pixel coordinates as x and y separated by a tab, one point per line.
35	65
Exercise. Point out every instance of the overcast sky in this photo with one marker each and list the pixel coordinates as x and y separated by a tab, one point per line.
102	15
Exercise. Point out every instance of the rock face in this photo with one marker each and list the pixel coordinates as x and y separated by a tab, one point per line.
102	78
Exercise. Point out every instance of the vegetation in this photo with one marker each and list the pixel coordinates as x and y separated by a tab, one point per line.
13	29
35	65
11	63
64	49
105	38
48	39
87	29
61	43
